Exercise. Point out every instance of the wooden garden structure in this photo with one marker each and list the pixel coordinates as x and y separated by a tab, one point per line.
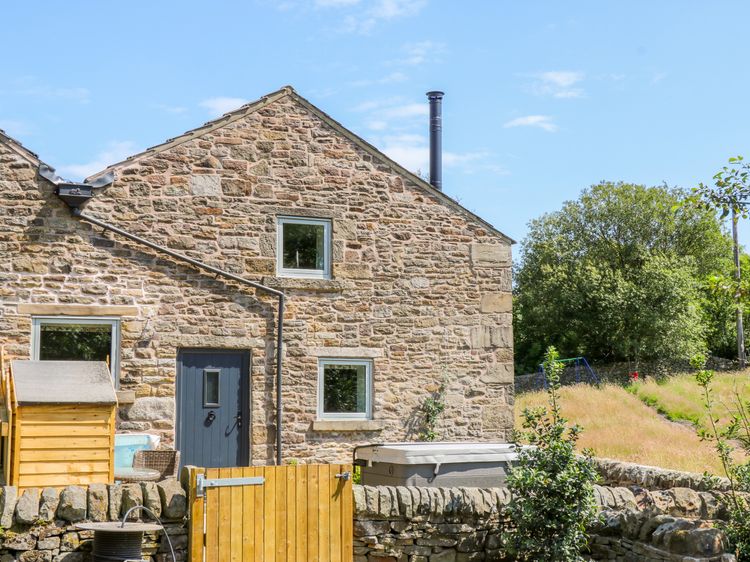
57	423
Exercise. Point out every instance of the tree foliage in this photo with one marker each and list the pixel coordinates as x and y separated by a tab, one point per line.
621	273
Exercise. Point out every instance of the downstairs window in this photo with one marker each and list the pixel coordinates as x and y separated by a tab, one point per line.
344	389
77	339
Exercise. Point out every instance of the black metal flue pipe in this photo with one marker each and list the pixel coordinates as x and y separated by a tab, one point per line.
436	139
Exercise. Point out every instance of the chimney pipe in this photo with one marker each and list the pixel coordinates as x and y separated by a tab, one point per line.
436	139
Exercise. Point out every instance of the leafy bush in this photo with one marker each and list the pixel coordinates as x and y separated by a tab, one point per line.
552	487
737	430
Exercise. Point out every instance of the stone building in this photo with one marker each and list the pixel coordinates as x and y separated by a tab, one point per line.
392	289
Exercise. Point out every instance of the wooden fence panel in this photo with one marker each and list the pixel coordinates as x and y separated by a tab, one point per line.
300	513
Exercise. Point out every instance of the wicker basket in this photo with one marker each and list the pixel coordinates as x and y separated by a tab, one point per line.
167	462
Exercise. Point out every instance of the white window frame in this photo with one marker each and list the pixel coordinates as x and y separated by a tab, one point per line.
281	271
112	321
367	414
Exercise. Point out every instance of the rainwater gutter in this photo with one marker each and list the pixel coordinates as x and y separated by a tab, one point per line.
75	194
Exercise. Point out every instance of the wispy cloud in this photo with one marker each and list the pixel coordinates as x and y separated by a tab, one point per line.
115	152
31	86
406	111
558	84
413	153
371	14
335	3
391	78
393	108
377	125
14	127
171	108
540	121
419	53
220	105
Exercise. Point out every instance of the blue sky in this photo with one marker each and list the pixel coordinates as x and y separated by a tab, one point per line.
542	98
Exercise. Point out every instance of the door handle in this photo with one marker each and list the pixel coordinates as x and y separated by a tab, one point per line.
344	476
238	418
211	416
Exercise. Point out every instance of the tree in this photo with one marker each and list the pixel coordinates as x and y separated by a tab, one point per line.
618	274
730	194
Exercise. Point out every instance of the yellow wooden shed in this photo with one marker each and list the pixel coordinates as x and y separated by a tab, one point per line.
62	423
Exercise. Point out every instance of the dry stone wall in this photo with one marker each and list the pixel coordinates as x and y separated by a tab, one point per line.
618	473
40	525
421	288
400	524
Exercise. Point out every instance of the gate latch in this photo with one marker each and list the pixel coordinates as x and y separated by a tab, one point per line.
344	475
202	483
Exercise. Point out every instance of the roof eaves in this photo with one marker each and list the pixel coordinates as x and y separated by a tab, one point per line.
207	127
19	148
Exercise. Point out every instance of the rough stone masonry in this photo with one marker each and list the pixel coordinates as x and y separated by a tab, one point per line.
419	285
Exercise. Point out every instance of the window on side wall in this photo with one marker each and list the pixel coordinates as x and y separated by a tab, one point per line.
344	389
303	247
77	339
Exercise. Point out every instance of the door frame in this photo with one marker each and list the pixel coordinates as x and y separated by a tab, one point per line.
245	390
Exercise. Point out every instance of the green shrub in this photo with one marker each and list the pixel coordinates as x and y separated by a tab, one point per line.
737	430
552	487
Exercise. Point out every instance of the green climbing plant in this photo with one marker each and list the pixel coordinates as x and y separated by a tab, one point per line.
431	410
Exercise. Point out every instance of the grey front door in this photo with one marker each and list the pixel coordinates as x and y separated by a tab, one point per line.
213	412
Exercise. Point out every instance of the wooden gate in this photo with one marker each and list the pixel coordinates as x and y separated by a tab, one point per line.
298	513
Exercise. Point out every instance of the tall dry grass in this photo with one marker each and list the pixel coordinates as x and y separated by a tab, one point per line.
620	426
680	397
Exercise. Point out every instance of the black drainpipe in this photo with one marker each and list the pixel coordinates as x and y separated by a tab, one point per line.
83	192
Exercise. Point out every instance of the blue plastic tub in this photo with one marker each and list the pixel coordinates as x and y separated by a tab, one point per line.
126	444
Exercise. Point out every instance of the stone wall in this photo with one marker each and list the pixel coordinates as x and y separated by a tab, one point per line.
419	286
618	473
40	525
399	524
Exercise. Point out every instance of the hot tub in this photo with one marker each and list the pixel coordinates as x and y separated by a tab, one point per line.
481	465
126	444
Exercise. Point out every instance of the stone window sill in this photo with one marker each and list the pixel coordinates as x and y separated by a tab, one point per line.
306	284
348	425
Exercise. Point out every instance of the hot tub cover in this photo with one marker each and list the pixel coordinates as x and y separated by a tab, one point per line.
63	382
436	453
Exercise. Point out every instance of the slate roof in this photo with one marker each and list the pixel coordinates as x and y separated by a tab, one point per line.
62	382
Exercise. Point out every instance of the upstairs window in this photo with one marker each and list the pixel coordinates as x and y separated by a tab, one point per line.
77	339
304	247
345	389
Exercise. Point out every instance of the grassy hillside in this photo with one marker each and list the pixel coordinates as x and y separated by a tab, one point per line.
617	424
680	398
